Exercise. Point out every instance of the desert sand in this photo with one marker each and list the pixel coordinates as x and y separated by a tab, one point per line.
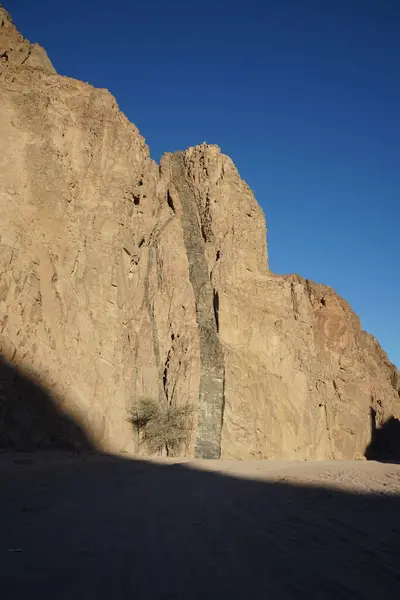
103	527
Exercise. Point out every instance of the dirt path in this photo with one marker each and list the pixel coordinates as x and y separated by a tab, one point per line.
109	528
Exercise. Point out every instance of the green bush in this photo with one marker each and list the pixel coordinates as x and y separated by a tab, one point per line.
162	425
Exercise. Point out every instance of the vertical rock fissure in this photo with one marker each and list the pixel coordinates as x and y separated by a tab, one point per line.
216	308
153	325
165	376
212	372
153	253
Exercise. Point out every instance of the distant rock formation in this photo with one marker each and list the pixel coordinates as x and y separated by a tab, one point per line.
122	280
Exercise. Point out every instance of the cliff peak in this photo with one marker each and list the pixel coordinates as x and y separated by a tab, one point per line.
16	51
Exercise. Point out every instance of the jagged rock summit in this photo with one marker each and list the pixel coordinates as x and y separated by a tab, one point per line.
123	280
17	51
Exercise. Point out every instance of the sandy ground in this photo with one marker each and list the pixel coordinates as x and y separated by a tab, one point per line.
113	528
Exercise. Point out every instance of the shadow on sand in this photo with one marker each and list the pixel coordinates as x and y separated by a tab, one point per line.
101	527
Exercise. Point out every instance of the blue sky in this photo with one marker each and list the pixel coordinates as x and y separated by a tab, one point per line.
304	95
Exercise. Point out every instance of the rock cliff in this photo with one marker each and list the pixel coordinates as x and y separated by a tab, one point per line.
122	280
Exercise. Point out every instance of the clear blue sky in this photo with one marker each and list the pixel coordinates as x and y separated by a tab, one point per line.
304	95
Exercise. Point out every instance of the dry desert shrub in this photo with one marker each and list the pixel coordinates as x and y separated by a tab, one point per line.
162	426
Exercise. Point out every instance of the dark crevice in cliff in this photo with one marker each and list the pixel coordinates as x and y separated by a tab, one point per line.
338	394
165	375
222	406
212	374
170	202
26	57
216	308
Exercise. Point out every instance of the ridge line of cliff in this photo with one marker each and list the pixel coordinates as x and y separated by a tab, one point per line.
17	51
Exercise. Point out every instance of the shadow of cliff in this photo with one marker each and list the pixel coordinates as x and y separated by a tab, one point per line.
108	528
102	527
30	417
385	440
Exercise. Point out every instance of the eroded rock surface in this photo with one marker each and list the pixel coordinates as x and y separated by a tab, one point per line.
121	279
17	51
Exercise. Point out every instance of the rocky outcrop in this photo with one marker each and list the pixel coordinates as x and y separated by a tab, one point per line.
300	375
17	51
121	280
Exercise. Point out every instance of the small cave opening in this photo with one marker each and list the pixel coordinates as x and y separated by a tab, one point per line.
170	202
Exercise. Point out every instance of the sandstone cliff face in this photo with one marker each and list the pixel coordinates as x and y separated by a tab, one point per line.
300	376
121	279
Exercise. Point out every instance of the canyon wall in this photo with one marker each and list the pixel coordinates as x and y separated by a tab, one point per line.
122	280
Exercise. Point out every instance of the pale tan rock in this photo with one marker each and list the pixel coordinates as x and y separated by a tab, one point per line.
122	280
15	50
89	301
300	376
